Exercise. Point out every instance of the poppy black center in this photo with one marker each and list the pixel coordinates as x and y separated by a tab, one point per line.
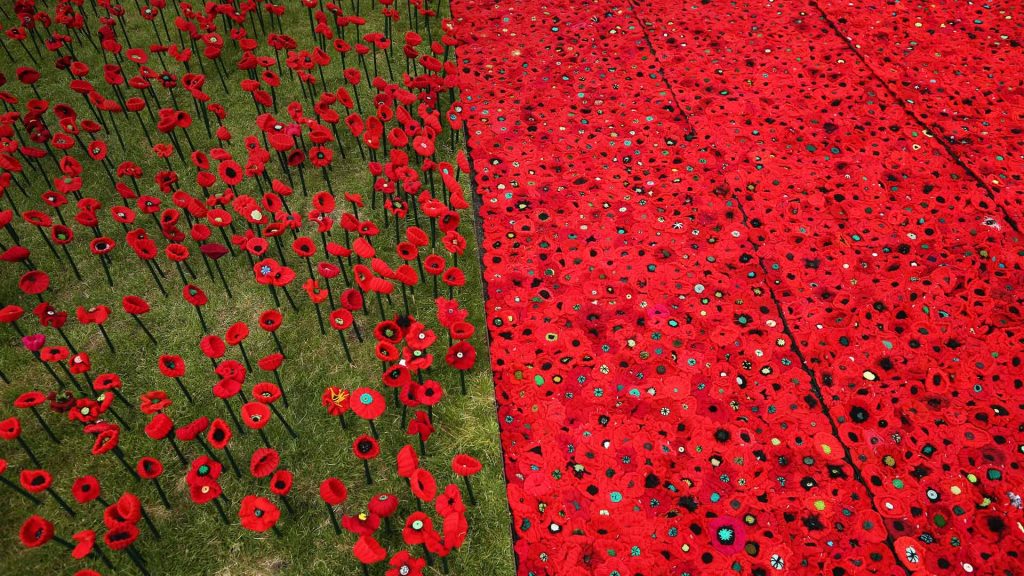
365	446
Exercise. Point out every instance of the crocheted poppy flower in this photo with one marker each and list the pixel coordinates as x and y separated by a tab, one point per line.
212	346
367	403
423	485
365	447
408	461
465	465
35	531
121	536
429	393
237	333
461	356
340	319
135	305
35	480
172	366
29	399
336	400
383	505
368	551
193	429
149	468
85	489
270	320
203	469
34	282
361	524
333	491
405	564
263	462
85	541
417	525
255	415
204	490
258	514
281	482
219	434
194	295
154	401
266	392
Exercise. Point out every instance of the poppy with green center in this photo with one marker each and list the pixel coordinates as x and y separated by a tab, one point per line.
333	491
194	295
388	331
255	415
386	352
263	462
172	366
121	536
281	482
417	526
365	447
270	320
149	468
203	468
35	531
35	481
258	514
367	403
396	376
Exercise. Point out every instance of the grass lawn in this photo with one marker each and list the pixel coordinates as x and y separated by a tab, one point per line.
193	538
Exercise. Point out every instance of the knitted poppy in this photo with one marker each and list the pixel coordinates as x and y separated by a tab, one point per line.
203	469
461	356
408	461
34	282
121	536
419	337
172	366
193	429
281	482
271	362
219	434
35	481
85	489
258	514
127	508
417	525
351	299
404	564
365	447
204	490
101	246
368	551
423	485
159	427
266	392
154	401
429	393
35	531
263	462
194	295
367	403
450	502
420	426
255	415
135	305
336	400
270	320
361	524
237	333
465	465
29	399
340	319
149	468
85	541
333	492
212	346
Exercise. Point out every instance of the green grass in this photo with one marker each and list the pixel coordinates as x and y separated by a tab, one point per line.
194	540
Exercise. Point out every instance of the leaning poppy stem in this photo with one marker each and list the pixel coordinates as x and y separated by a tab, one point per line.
24	492
405	300
220	273
45	426
320	319
423	447
334	519
156	278
426	554
202	320
469	490
366	470
149	522
280	385
137	560
144	329
234	418
287	504
63	542
277	342
183	389
341	418
373	429
31	454
263	435
231	459
366	571
444	564
106	337
220	510
120	456
206	448
380	305
181	457
106	270
160	491
288	295
344	344
283	421
61	501
273	292
277	531
245	356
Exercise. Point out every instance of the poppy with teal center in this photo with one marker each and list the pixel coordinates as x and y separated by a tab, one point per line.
172	366
149	468
194	295
417	526
258	514
728	534
367	403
